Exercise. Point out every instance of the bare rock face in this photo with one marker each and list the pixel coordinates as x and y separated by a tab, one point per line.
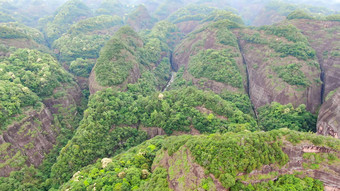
328	173
329	117
26	142
153	131
266	85
187	27
187	174
324	37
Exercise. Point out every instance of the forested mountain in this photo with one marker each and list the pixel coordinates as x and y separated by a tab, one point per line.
169	95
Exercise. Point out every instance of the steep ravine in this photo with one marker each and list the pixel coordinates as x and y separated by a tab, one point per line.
173	74
247	88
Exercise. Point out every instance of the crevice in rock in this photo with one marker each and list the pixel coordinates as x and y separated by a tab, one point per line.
322	78
173	73
247	88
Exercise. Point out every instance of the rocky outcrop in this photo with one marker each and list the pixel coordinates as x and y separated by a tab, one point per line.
324	37
26	142
266	86
187	174
329	117
153	131
328	173
187	27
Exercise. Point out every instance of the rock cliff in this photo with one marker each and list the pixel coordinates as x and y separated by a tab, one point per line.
329	116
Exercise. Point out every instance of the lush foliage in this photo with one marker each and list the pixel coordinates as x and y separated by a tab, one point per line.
149	55
117	57
64	16
226	37
101	132
292	74
299	14
85	38
71	47
38	71
98	23
227	155
299	50
81	67
276	116
13	97
223	15
128	171
10	33
284	183
289	31
223	155
217	65
189	13
297	46
241	100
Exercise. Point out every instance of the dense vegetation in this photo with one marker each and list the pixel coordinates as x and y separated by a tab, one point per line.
117	57
221	137
148	54
82	67
285	182
223	155
110	111
190	12
277	116
64	16
128	171
38	71
13	98
217	65
85	38
292	74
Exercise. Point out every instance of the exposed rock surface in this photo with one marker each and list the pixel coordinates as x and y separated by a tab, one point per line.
26	142
187	174
324	37
29	139
329	174
153	131
187	26
265	86
329	116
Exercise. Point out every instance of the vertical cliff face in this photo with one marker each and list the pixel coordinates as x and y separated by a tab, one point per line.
324	37
26	142
329	116
275	75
